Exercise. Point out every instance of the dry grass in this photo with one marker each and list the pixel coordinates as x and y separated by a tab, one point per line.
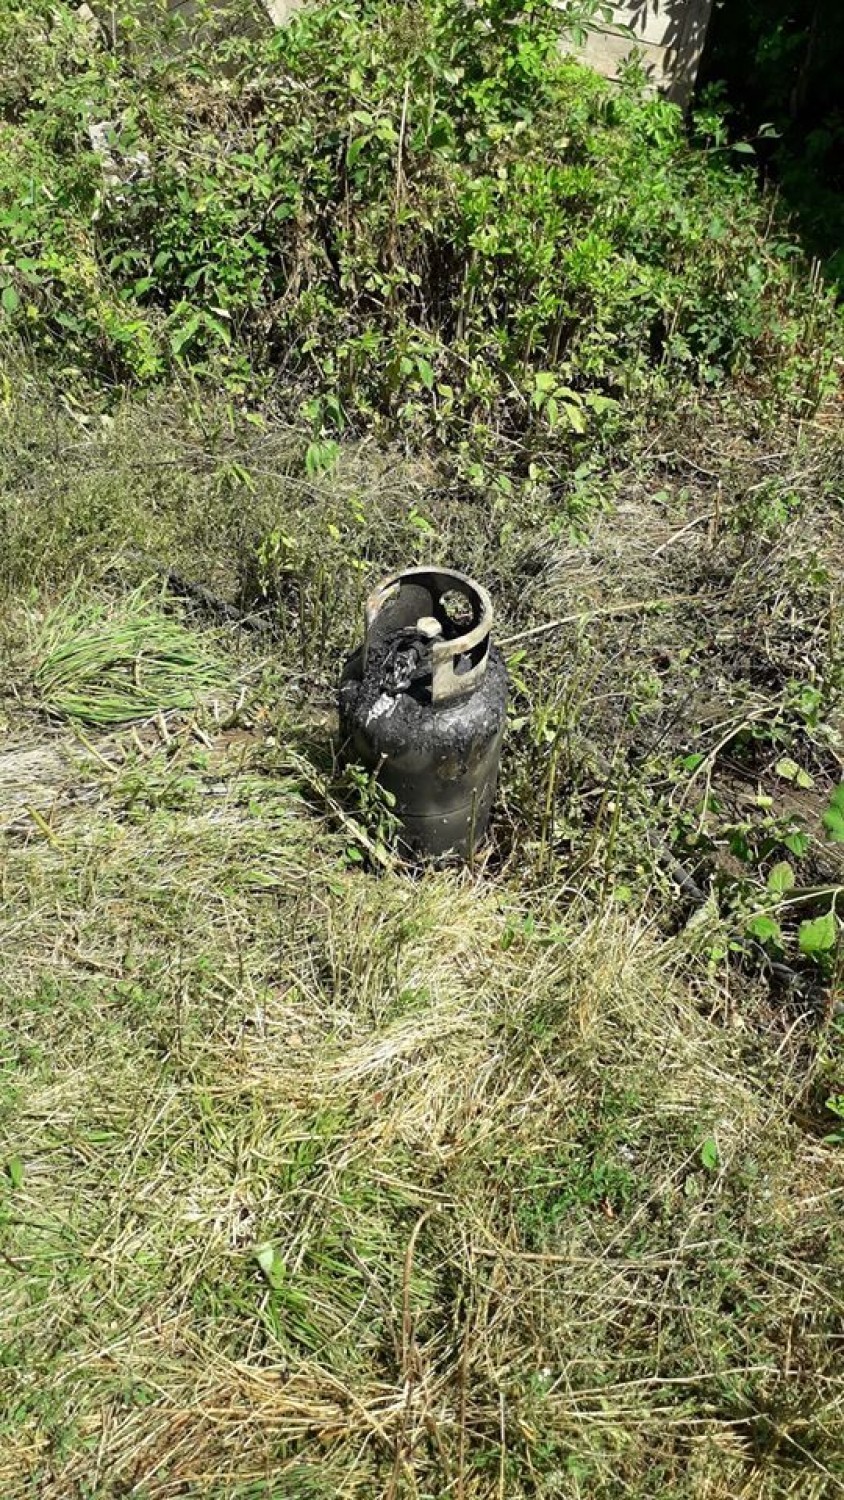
326	1181
324	1184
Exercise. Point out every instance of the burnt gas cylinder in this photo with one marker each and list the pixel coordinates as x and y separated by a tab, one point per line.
423	704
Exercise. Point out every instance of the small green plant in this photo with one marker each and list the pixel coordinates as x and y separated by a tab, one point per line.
835	1105
374	806
833	818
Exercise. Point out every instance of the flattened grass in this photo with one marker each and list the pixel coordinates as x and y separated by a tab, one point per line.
107	665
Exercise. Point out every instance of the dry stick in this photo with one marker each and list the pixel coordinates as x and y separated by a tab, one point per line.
502	1466
187	588
461	1451
679	874
641	606
376	851
707	516
400	151
92	750
41	823
214	605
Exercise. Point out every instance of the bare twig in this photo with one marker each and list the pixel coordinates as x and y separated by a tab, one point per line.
702	520
636	606
213	604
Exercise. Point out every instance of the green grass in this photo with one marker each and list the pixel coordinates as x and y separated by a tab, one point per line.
105	667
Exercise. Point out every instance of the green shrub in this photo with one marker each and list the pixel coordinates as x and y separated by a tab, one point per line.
422	216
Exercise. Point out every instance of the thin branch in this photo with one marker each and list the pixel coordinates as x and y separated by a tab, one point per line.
637	606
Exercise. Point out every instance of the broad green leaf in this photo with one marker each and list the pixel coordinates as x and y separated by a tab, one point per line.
833	818
320	456
818	935
709	1154
10	299
14	1171
577	421
334	409
781	878
426	373
222	332
789	770
181	336
691	762
765	928
354	149
441	134
271	1264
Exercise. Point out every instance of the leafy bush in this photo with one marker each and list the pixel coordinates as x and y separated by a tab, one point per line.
422	215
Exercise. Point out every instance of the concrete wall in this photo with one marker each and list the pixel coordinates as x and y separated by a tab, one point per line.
669	33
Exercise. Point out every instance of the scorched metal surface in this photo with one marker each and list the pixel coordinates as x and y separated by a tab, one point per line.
423	704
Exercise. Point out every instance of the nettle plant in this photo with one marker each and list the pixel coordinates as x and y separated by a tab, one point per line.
771	906
420	218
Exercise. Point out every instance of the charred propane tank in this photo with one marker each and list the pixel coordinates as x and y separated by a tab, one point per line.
423	703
